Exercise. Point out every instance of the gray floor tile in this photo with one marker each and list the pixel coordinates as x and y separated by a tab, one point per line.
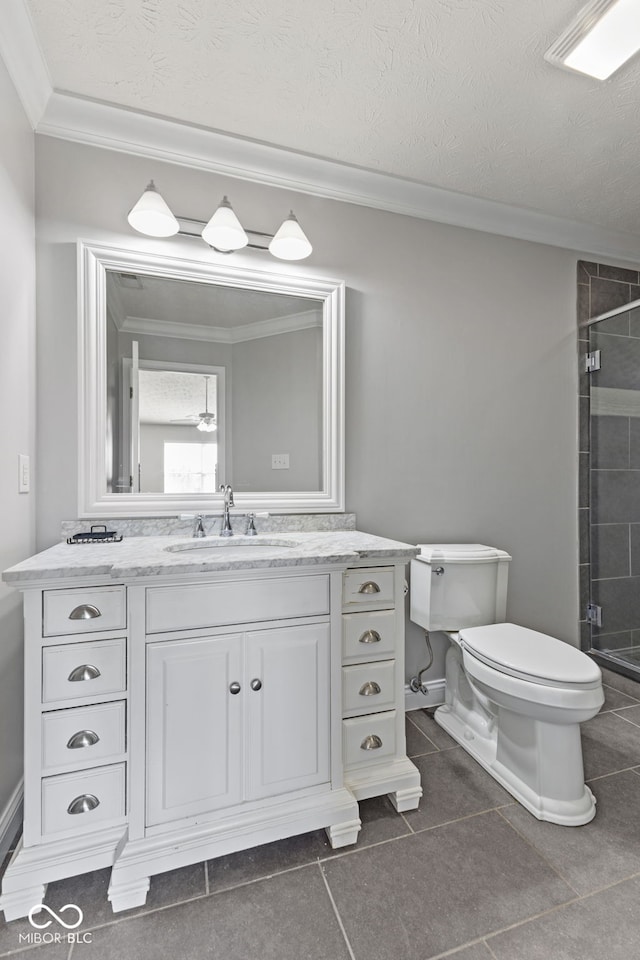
380	822
609	744
288	917
418	743
423	719
618	682
630	714
419	896
454	786
479	951
615	699
602	927
50	951
266	860
599	853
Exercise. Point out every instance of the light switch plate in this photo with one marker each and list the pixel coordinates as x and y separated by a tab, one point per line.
24	473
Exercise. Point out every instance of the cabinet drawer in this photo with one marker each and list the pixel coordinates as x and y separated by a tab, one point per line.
199	605
368	636
96	795
84	610
74	670
369	739
83	735
368	587
368	688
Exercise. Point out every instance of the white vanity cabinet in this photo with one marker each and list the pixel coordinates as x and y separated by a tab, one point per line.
176	718
236	717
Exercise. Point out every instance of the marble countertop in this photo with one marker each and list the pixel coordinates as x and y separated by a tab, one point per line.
171	555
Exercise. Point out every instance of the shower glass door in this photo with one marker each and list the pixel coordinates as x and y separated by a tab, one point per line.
614	494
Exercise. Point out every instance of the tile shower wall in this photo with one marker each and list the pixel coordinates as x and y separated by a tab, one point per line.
609	461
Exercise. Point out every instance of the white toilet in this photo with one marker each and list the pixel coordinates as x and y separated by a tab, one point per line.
514	697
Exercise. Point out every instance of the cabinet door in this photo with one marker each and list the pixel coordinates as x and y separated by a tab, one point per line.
288	701
194	727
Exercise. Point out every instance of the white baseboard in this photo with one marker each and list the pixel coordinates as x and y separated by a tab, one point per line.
11	820
433	697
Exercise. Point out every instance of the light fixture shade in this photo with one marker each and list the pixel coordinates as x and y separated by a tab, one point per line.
206	423
224	231
152	216
290	242
603	36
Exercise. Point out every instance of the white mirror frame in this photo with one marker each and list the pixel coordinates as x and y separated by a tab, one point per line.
94	259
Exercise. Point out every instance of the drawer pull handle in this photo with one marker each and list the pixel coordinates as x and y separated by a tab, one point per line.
86	671
369	587
372	742
234	687
83	738
83	804
370	636
369	689
256	684
86	611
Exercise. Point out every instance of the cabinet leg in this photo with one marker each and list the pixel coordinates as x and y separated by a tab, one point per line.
18	903
343	834
407	799
126	895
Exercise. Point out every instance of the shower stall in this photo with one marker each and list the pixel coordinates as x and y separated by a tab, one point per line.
610	470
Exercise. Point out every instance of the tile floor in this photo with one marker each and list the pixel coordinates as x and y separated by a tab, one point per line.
470	875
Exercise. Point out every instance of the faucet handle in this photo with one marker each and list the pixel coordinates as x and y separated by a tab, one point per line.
251	527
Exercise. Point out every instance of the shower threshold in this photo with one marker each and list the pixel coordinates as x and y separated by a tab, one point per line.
625	661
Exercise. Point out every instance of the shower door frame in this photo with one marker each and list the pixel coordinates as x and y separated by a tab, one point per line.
631	277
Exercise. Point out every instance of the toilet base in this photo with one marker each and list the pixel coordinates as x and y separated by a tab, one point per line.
572	812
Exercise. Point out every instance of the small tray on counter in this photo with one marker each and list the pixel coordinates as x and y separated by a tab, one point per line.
97	534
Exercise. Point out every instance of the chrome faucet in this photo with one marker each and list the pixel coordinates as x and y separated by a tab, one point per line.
198	530
226	530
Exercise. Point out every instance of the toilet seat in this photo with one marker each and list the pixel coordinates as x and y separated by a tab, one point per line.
530	656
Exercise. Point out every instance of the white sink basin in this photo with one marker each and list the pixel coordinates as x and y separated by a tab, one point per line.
232	547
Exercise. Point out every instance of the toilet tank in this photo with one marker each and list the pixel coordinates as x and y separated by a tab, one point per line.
457	585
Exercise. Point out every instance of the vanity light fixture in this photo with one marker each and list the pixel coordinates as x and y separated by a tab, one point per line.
223	232
603	36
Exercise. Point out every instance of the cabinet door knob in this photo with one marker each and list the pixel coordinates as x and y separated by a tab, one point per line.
234	687
370	636
372	742
369	689
83	804
86	671
83	738
256	684
86	611
369	587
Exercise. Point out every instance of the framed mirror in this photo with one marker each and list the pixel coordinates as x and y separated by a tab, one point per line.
196	374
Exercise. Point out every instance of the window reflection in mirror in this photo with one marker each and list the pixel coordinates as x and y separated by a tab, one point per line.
181	354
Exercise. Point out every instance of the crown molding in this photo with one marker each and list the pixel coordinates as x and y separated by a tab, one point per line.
198	331
105	125
100	124
22	56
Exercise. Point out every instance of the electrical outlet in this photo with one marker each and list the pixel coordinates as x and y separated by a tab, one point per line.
24	473
279	461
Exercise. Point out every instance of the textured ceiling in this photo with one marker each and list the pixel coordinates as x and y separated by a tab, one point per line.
452	93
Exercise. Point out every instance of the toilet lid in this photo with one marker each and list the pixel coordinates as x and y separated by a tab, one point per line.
526	653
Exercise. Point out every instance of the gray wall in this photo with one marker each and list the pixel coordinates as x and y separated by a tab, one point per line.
461	380
267	374
17	403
